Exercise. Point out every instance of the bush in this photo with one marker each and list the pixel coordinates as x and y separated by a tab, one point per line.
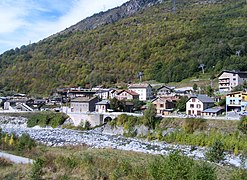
204	171
177	166
36	172
46	118
192	124
242	126
216	152
25	143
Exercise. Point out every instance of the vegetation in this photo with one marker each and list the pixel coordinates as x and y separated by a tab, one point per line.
86	163
216	152
155	41
46	119
242	126
176	166
16	144
149	117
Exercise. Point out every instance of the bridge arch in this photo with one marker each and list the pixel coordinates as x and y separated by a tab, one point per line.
107	119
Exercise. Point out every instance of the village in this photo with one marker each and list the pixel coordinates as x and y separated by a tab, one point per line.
98	105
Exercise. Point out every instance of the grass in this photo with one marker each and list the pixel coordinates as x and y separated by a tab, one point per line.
85	163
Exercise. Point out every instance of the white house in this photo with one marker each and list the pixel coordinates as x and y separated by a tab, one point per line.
196	104
102	106
105	93
230	79
144	91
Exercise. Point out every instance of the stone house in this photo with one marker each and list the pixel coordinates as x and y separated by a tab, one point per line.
83	104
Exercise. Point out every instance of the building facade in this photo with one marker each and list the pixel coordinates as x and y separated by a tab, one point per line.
127	95
83	104
236	101
164	105
230	79
196	104
144	91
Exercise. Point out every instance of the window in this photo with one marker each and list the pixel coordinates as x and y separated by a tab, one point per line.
161	105
198	106
234	79
191	105
193	99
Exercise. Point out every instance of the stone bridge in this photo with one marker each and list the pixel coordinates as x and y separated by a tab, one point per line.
95	118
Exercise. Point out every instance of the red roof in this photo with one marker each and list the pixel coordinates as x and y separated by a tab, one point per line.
133	93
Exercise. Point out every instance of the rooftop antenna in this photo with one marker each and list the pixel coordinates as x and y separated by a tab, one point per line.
140	74
174	6
202	67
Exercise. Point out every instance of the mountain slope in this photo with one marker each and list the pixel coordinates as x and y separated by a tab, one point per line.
166	46
113	15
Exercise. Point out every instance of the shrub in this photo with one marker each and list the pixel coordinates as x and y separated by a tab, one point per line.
36	172
46	118
25	143
203	171
242	126
216	152
177	166
192	124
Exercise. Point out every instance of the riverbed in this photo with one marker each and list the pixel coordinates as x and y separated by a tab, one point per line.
95	139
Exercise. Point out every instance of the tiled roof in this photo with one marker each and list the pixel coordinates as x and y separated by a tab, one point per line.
133	93
240	73
204	98
83	99
139	85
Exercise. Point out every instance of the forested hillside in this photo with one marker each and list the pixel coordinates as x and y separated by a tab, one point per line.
167	46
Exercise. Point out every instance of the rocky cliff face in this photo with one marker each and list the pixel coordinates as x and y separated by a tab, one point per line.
127	9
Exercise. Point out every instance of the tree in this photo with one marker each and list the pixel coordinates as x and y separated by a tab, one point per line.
116	105
149	117
181	104
137	104
195	87
209	91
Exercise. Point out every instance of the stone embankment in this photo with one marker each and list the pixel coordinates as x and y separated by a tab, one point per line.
100	138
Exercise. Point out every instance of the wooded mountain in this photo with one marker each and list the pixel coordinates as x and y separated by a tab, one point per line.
114	46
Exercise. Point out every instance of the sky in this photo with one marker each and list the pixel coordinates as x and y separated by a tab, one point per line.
25	21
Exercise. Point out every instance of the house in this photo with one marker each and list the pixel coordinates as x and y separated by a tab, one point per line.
144	91
127	95
196	104
83	104
230	79
165	105
105	93
183	91
102	106
236	101
212	112
164	91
